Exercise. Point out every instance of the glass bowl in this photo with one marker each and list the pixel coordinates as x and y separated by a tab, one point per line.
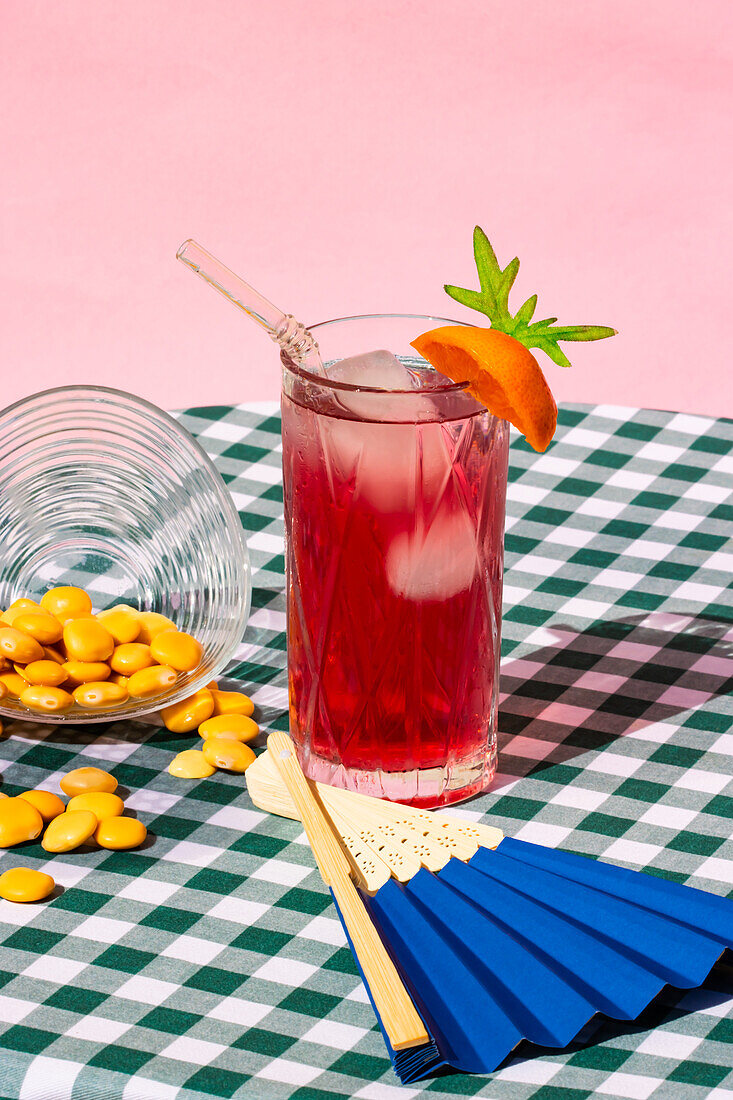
101	489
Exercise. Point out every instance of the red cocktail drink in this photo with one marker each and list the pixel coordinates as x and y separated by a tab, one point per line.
395	486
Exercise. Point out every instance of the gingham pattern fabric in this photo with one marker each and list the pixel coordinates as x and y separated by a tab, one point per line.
211	964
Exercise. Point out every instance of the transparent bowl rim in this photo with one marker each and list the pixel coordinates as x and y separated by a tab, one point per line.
134	399
141	709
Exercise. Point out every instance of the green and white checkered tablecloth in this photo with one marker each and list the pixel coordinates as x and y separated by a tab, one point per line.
211	963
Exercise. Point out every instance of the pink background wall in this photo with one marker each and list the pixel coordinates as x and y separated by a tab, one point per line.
338	155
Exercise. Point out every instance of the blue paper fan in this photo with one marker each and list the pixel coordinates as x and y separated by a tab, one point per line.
518	941
525	942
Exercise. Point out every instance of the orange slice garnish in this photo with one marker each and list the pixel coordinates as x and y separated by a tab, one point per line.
503	375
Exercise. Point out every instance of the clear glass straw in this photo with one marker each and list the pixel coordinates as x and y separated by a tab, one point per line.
292	336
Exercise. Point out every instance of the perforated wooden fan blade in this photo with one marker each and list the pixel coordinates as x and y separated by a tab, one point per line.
382	838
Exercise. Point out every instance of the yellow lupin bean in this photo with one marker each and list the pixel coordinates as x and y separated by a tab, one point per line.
123	623
85	672
151	623
18	607
69	831
49	805
20	647
232	727
19	822
87	640
230	755
73	618
232	702
151	681
102	804
46	673
118	833
24	603
13	684
50	653
177	649
48	699
189	713
66	602
87	781
191	764
94	696
44	628
24	884
131	657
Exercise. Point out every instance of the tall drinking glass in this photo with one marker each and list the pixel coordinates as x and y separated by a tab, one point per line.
394	522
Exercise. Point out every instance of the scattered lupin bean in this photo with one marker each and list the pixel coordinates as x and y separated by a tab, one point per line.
101	803
191	764
19	822
87	781
23	884
223	733
69	831
93	815
189	713
100	659
232	702
234	727
230	756
118	833
48	804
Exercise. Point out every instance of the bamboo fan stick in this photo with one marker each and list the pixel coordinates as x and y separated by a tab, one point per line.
398	1014
329	855
372	865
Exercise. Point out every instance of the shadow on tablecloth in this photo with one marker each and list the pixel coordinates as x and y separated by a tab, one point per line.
584	689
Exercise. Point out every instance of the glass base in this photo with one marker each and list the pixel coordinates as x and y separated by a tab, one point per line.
425	788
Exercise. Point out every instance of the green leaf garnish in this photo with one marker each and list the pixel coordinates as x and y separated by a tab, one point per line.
493	301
